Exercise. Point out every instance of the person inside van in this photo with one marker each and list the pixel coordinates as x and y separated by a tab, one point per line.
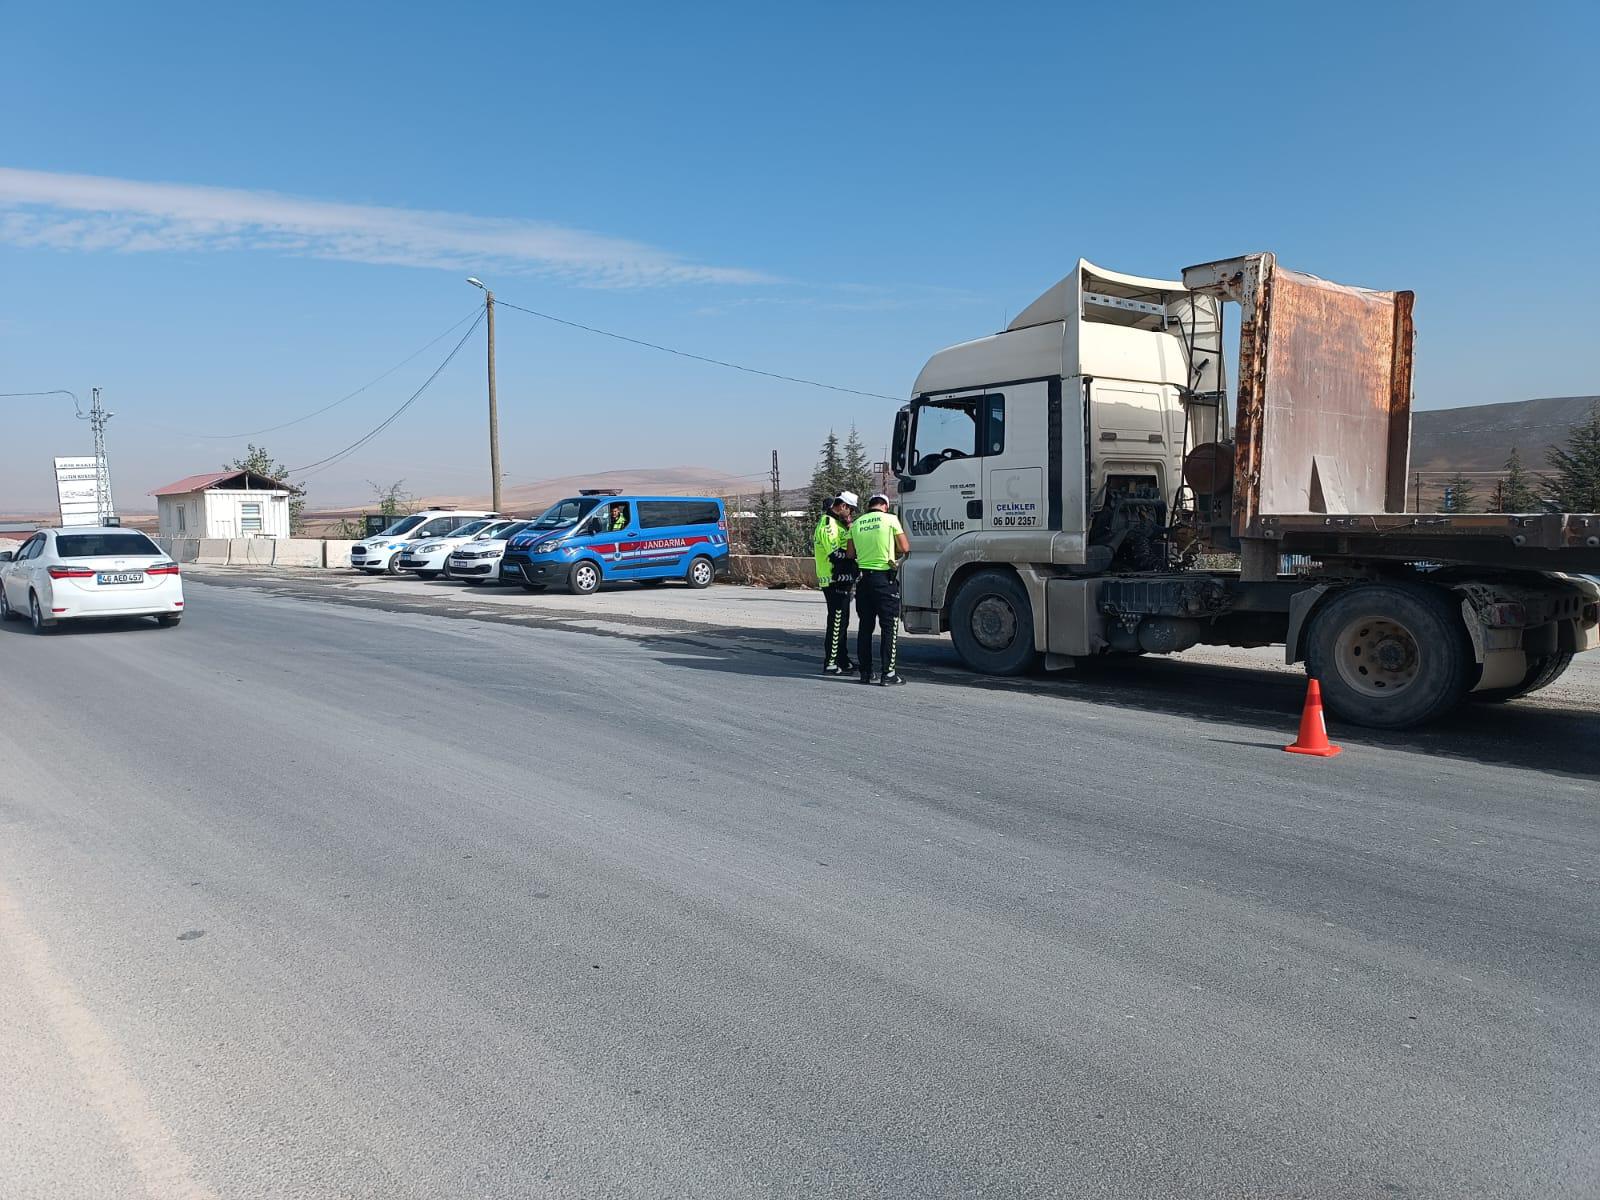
618	521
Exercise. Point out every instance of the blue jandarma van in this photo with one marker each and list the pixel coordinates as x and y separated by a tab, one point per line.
584	541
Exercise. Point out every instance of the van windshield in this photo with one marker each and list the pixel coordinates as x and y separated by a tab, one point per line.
563	513
403	525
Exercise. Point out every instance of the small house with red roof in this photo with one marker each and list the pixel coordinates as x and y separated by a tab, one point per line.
223	504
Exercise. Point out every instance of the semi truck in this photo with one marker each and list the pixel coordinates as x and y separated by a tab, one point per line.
1139	466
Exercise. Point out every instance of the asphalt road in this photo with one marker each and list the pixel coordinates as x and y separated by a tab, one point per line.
336	894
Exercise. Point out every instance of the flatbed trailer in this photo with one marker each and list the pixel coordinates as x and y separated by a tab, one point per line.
1063	480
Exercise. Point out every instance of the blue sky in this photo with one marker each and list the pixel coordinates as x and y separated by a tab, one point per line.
833	191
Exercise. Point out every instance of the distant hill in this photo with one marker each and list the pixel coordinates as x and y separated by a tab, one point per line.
1479	438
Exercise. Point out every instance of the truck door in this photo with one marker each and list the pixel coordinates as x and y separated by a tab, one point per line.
945	471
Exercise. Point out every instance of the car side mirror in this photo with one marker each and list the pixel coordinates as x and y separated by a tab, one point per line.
6	555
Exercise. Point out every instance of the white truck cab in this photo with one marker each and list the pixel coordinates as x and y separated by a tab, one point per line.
990	453
381	552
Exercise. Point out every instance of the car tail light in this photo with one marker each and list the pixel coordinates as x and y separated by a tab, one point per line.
70	572
162	569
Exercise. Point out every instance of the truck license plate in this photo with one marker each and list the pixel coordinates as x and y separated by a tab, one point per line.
121	576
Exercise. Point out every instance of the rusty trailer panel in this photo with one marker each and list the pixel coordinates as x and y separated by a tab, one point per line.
1324	392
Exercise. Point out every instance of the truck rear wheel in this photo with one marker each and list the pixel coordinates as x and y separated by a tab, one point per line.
991	623
1389	655
1542	672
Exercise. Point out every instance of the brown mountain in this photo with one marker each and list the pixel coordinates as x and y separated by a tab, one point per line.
1480	438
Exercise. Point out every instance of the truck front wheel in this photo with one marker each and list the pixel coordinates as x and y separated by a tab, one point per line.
991	623
1389	655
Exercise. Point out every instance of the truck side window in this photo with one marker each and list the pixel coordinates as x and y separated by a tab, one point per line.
964	427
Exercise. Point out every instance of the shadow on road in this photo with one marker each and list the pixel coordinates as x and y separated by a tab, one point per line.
1559	740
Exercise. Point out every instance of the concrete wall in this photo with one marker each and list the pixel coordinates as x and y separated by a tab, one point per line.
212	552
296	552
771	570
336	553
251	552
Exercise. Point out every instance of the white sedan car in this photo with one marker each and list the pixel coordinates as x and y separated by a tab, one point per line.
71	574
428	558
478	561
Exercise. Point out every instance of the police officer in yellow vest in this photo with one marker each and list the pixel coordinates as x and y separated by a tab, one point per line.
878	543
619	518
836	575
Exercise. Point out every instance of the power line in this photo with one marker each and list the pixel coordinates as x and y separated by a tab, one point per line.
339	455
51	392
716	362
228	437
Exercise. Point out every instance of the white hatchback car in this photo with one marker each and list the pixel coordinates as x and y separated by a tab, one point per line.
428	558
71	574
478	561
381	552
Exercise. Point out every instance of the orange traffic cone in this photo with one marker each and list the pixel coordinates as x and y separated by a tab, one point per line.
1313	737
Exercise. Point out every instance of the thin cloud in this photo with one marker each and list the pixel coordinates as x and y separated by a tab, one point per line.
92	213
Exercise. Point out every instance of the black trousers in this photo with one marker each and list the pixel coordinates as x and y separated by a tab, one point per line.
834	652
878	604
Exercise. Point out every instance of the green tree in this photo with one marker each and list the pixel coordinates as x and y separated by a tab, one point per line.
1574	482
1516	493
1463	496
827	478
774	533
393	499
857	468
259	460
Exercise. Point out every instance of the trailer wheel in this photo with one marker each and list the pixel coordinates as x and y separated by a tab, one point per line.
1389	655
991	623
1542	672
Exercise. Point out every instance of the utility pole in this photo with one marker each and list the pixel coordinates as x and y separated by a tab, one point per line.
98	417
775	488
494	408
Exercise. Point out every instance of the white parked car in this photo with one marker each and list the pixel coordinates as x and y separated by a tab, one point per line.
431	557
382	551
72	574
478	561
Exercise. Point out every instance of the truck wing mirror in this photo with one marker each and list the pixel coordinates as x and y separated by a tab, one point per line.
902	439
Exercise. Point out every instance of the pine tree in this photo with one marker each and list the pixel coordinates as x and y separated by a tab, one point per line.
256	458
826	479
1574	485
857	469
1463	496
1516	494
774	533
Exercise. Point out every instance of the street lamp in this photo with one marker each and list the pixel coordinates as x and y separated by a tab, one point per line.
494	410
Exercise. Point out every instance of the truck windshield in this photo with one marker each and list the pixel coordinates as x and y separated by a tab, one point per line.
403	525
563	513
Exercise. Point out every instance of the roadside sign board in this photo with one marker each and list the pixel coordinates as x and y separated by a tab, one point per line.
76	489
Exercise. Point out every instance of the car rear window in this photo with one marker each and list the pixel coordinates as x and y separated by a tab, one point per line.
662	514
104	545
